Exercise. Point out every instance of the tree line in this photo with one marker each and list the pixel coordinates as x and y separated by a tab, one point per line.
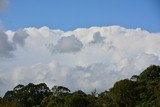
139	91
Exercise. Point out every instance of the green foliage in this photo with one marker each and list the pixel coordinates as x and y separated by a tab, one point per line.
29	95
151	73
10	104
148	86
59	90
140	91
77	99
53	101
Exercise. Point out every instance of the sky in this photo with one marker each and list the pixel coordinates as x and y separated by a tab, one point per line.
72	14
80	44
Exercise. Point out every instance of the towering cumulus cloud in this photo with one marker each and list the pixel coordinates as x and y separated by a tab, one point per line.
85	58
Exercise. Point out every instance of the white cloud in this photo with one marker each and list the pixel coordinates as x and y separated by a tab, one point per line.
68	44
78	77
6	47
108	54
19	37
97	38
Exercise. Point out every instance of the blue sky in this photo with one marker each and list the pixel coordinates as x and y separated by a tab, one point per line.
72	14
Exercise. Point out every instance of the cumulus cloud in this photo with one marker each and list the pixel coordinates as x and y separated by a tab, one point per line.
6	47
3	86
97	38
103	56
3	4
4	82
19	37
86	78
9	41
68	44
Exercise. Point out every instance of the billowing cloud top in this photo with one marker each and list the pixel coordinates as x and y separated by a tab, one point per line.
85	58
